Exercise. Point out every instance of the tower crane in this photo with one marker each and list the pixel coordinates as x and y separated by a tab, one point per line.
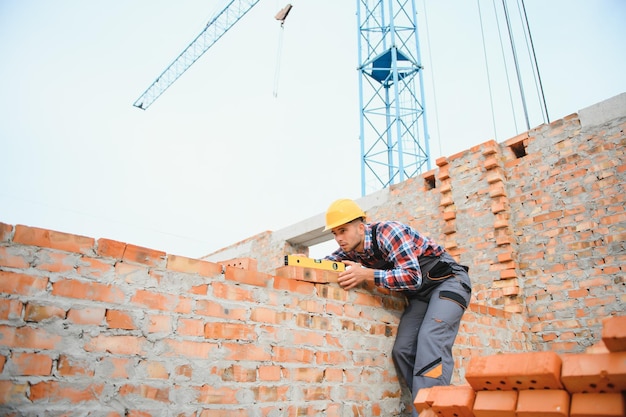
213	31
393	129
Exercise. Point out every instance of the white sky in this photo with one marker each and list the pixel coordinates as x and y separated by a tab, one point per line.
218	158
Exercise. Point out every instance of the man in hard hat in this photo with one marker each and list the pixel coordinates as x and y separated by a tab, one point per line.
397	257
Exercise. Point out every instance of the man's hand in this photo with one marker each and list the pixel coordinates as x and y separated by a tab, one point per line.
354	275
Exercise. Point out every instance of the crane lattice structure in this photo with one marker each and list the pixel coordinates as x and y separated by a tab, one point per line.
393	129
213	31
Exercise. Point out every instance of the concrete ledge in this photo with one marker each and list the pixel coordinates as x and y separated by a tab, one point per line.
605	111
310	232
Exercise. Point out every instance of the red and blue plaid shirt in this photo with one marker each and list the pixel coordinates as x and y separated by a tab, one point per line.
401	246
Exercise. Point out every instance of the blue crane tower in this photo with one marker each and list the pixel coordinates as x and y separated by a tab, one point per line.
393	128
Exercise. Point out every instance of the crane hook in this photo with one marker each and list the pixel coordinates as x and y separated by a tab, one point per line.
282	14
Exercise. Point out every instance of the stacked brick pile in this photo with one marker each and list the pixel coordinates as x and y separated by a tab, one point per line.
539	384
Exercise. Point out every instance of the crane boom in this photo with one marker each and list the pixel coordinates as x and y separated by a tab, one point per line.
213	31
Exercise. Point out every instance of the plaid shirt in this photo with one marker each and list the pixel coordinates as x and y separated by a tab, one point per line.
401	246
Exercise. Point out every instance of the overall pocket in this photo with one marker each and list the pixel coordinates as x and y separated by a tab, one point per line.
435	276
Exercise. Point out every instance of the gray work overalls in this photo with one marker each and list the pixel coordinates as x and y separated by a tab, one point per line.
422	352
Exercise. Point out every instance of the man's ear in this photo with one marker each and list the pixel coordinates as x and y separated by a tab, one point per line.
361	228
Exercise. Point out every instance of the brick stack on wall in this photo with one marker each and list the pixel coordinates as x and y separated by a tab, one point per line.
99	327
532	384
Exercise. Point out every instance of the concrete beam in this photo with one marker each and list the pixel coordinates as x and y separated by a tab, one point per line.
603	112
310	232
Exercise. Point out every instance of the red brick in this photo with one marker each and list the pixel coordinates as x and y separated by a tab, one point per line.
598	405
246	277
121	345
313	322
453	401
88	315
10	309
117	319
190	327
116	367
69	366
266	315
508	274
332	292
31	364
220	330
311	375
143	255
270	373
163	302
12	392
159	323
495	404
231	292
293	285
423	400
309	338
211	395
22	284
193	266
491	162
133	273
292	354
614	333
496	189
110	248
5	232
37	313
241	263
55	391
57	261
153	369
515	371
189	349
219	310
145	391
12	258
88	291
307	274
28	338
237	373
600	372
322	393
34	236
428	413
93	267
543	403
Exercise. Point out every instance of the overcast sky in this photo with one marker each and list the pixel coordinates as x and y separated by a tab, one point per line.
218	157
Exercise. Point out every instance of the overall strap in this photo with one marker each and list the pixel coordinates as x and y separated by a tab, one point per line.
377	253
381	262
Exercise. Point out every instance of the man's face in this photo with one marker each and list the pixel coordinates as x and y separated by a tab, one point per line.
349	236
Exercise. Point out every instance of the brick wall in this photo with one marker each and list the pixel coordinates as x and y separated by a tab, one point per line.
540	220
99	327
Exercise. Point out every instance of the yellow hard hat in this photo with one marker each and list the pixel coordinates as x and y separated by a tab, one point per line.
341	212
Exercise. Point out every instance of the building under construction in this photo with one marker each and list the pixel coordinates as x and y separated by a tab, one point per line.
93	326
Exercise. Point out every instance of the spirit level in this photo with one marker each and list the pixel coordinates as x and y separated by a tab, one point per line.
305	262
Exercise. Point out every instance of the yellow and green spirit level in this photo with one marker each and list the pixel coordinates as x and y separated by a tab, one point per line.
305	262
